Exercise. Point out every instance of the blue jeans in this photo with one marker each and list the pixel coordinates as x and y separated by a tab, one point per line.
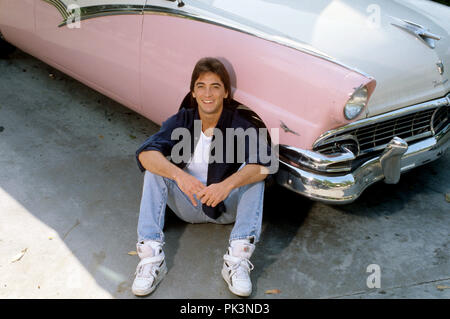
244	207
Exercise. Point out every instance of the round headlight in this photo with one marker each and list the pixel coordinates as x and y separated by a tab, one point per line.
356	103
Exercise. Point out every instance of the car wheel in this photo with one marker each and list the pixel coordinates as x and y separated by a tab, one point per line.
5	49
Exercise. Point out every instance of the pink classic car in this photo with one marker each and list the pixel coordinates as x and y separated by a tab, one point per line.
353	92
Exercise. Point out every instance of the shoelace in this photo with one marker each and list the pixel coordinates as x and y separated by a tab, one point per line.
143	271
241	268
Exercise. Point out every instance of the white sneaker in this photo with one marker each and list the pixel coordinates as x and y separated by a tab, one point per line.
151	269
237	266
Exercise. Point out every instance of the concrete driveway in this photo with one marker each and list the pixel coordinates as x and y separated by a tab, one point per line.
69	200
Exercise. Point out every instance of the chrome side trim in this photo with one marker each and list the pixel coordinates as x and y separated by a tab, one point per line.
96	11
117	9
62	8
445	101
103	10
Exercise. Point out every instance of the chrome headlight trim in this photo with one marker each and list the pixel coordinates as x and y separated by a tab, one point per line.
356	104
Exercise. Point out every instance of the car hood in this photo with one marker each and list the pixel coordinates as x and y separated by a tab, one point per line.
369	36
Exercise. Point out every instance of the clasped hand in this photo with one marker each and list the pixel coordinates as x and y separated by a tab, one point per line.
210	195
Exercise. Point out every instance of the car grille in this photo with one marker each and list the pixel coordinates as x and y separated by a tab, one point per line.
441	119
374	136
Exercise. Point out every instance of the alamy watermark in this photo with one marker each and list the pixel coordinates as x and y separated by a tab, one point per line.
251	141
373	21
374	279
74	19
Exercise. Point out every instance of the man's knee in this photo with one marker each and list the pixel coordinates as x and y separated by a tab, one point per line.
259	186
150	177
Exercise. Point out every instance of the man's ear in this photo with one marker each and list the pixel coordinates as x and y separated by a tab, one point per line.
193	95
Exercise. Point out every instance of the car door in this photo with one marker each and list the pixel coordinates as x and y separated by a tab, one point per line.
17	23
100	47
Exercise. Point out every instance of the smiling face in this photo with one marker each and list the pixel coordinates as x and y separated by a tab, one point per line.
209	92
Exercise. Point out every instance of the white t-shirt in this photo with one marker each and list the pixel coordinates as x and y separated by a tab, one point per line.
198	165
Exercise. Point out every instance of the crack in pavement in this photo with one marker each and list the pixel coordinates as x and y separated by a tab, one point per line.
67	233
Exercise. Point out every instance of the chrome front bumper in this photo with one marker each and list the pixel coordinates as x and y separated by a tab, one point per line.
343	188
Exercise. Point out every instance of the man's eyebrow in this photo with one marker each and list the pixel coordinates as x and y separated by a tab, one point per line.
214	83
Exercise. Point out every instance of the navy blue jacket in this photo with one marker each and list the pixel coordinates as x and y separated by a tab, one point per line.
217	170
